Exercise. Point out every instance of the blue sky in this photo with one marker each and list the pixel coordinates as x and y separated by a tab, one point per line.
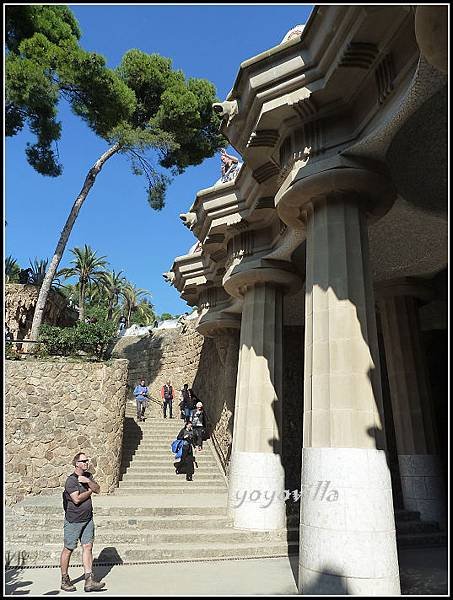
204	41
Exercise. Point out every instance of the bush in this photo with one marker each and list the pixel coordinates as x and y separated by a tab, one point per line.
58	341
92	338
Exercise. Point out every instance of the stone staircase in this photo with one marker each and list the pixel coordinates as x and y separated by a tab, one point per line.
157	516
153	516
412	532
147	465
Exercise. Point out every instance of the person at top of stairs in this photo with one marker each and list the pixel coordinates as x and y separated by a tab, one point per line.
167	398
141	397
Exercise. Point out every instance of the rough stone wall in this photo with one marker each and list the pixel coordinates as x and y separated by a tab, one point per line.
208	365
20	302
55	409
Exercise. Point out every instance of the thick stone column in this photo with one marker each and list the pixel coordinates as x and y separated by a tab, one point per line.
416	437
431	32
347	531
256	486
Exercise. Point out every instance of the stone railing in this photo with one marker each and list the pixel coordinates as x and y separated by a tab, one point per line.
55	409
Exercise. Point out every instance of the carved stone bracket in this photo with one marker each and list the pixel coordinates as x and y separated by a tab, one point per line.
264	137
385	74
266	171
359	55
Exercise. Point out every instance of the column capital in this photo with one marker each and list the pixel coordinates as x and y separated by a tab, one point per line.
213	323
336	179
403	286
244	276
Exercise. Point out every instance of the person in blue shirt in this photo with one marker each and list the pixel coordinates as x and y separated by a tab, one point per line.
141	397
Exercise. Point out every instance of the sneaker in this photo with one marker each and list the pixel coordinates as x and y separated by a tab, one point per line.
188	477
91	585
66	584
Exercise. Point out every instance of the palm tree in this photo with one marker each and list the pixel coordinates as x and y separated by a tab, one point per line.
113	284
132	298
12	270
144	313
38	271
88	268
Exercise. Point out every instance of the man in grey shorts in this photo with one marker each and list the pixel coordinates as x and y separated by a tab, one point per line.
78	523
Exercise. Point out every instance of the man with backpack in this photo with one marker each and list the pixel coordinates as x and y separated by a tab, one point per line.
167	399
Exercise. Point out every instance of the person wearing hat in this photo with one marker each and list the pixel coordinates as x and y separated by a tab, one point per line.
199	425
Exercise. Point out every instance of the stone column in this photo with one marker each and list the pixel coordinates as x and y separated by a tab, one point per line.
347	530
416	437
431	32
257	481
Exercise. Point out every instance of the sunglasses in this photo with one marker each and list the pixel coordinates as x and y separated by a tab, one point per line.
84	461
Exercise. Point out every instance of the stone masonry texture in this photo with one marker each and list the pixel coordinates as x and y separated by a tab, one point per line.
55	409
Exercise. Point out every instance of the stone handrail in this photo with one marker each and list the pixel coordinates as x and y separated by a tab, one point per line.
222	458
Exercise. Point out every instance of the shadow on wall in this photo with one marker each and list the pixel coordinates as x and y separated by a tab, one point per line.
215	385
132	436
144	356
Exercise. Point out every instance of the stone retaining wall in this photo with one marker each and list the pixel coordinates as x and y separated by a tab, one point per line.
20	303
55	409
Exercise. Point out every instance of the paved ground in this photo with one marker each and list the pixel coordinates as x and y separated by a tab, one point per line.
422	572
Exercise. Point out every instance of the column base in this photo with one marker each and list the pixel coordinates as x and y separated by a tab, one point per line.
423	486
256	491
347	524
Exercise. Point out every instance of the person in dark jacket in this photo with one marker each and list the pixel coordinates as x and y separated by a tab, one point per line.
186	464
199	426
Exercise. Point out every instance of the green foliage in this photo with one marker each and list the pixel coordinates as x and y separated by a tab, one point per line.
10	352
98	312
92	338
57	23
12	270
143	314
165	316
58	341
38	271
143	105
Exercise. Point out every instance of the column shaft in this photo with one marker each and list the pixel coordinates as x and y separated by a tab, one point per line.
347	531
416	439
256	472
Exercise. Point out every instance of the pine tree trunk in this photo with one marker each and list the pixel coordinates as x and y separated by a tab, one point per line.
61	246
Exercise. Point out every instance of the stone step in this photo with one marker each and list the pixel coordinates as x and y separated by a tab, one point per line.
140	537
407	527
168	467
169	457
134	522
131	476
422	540
174	481
186	487
147	455
153	441
127	511
119	553
406	515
